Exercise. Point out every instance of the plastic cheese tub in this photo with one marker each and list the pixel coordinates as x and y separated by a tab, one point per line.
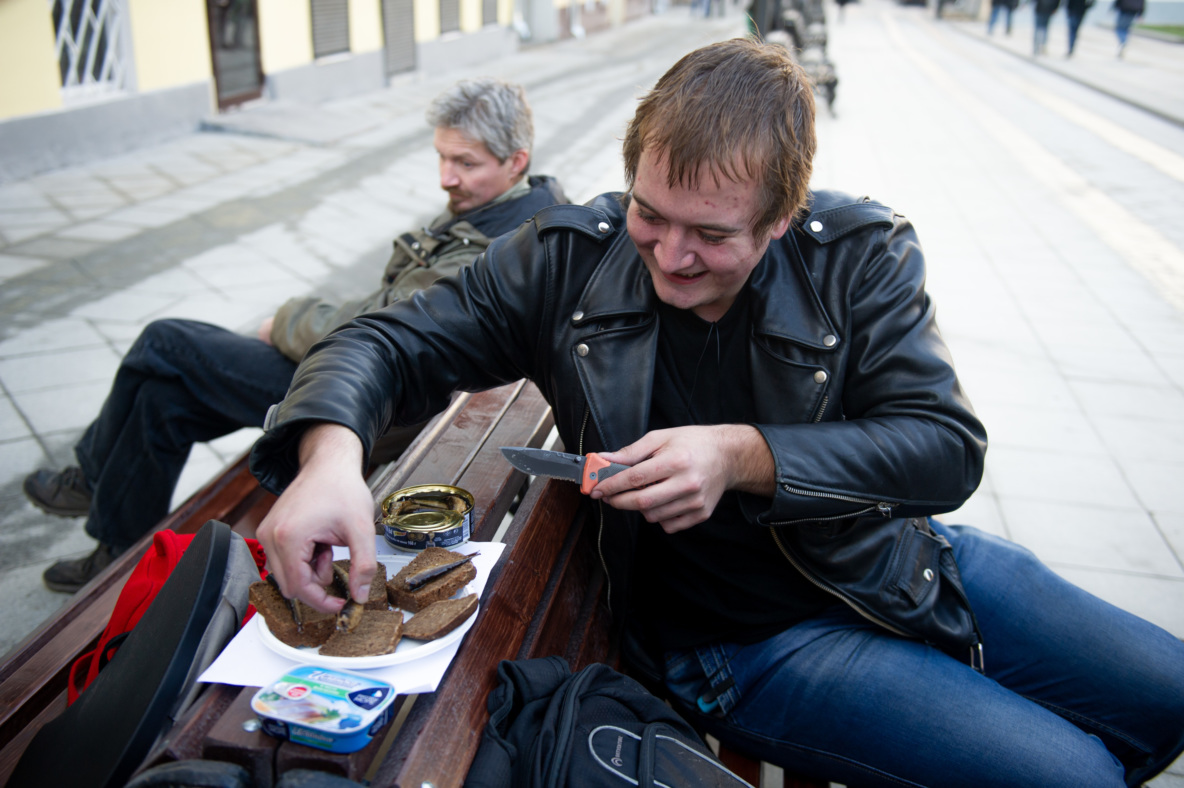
327	709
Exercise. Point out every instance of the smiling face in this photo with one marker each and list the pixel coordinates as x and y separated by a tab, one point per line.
697	242
472	175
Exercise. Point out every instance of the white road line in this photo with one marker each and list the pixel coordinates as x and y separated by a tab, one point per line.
1140	244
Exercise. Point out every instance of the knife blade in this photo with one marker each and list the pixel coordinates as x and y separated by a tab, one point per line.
586	470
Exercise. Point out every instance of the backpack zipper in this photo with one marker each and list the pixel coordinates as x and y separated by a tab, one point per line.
567	716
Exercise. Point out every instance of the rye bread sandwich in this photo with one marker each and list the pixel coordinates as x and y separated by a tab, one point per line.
416	585
313	627
439	618
377	633
377	598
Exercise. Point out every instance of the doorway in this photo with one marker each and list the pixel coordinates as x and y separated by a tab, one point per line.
234	43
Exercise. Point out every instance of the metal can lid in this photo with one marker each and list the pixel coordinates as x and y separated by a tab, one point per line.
427	520
418	502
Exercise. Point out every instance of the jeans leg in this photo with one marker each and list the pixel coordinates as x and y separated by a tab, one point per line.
1113	675
1074	689
181	383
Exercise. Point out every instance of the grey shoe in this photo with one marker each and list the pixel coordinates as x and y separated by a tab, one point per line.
69	576
66	493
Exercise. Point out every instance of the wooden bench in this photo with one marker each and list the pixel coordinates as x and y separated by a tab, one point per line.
543	597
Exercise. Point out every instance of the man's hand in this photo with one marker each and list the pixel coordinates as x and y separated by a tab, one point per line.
265	329
327	504
678	475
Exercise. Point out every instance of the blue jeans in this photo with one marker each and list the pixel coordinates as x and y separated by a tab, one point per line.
996	12
1122	26
181	383
1077	693
1040	36
1074	21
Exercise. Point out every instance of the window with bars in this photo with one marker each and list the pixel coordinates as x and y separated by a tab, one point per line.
89	42
330	27
449	16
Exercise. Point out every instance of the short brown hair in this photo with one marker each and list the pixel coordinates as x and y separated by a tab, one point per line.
742	108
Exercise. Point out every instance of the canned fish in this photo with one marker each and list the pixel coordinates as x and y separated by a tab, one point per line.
427	515
329	709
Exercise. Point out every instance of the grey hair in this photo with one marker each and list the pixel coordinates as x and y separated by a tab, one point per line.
487	110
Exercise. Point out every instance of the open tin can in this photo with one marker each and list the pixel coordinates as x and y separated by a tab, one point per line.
427	515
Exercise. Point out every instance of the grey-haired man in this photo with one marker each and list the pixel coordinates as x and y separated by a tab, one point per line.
185	382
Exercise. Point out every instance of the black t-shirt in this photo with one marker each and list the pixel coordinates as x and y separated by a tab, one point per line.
724	579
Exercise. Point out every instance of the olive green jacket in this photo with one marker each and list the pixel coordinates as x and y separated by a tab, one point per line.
420	257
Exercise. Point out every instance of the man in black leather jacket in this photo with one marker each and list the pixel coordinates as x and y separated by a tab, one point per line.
767	361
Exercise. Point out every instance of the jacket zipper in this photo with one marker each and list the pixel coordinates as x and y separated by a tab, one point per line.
608	579
976	649
822	408
851	603
882	507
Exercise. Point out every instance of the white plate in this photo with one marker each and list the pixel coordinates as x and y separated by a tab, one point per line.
408	649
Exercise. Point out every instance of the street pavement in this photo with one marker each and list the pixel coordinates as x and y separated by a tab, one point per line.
1047	194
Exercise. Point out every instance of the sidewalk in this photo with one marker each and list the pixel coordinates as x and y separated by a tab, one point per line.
1150	74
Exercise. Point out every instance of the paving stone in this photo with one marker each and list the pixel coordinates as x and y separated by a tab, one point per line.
1096	537
48	370
12	266
67	409
53	335
125	305
12	424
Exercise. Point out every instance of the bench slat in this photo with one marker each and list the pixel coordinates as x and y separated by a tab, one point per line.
441	736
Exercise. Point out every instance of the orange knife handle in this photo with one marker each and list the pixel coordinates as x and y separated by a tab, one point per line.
592	465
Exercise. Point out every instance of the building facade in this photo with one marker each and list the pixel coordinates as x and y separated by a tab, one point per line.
83	79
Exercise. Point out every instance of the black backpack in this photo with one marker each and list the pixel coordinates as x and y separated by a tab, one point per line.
549	728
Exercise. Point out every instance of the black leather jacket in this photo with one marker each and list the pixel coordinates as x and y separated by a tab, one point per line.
855	390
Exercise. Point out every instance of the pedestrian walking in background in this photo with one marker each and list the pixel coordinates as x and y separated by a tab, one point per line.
1128	11
1074	13
1044	11
1001	8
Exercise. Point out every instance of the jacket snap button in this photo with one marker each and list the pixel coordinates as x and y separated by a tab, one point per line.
820	376
603	227
465	241
581	349
577	316
928	575
816	226
830	340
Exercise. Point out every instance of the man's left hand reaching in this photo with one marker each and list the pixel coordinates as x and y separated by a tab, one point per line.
327	504
677	476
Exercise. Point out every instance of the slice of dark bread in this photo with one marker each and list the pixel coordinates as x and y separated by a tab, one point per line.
378	633
428	557
275	611
377	599
439	588
439	618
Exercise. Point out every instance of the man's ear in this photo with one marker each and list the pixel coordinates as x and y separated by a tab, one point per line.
779	227
519	159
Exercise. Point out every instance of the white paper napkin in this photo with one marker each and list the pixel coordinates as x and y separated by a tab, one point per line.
247	661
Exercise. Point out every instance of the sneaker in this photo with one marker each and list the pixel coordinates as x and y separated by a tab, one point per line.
69	576
66	493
